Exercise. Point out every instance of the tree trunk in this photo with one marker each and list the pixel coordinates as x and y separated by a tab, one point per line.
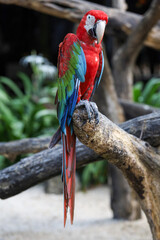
123	62
122	198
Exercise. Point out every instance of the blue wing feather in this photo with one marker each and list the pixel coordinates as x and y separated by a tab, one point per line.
69	88
102	68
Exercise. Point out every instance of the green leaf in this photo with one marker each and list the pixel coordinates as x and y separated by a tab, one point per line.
151	87
137	90
45	112
44	100
155	100
26	82
9	83
6	113
94	173
3	96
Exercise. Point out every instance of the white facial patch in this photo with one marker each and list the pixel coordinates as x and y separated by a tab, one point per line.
90	21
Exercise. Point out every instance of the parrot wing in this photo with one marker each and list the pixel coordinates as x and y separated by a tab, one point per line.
71	71
99	73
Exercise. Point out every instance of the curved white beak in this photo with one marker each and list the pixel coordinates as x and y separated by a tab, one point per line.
100	28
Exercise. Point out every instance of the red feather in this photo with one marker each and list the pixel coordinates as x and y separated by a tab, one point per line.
92	51
69	168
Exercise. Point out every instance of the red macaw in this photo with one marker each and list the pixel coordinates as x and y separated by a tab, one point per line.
80	67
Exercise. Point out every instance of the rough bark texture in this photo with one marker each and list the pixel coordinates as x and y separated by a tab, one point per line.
125	56
120	22
138	161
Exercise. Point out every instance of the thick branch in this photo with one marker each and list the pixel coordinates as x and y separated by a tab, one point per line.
39	167
32	170
109	141
119	21
138	161
148	127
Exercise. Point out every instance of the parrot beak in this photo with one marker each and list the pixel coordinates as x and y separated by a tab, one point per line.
98	30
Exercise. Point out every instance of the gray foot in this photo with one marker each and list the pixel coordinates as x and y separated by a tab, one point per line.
91	108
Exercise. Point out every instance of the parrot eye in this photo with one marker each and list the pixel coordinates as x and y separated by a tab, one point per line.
90	18
90	21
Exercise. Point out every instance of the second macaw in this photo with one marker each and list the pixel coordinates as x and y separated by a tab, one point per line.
80	67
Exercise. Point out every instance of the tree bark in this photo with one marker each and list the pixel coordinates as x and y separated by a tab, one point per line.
139	162
120	22
124	58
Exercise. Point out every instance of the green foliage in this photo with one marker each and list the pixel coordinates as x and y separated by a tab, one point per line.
94	173
26	111
148	94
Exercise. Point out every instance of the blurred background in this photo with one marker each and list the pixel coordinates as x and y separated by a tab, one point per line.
29	43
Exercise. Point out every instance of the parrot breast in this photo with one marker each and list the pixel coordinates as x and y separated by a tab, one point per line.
92	61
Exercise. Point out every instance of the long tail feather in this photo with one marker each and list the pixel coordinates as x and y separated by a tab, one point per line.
55	138
69	168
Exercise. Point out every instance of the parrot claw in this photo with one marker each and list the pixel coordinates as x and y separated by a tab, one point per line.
95	111
91	108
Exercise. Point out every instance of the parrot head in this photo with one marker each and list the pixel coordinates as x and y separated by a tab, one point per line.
92	26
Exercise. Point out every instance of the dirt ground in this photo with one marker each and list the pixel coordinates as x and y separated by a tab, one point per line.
34	215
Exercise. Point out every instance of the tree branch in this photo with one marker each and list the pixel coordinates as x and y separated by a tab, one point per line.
109	141
46	164
39	167
148	127
124	58
73	10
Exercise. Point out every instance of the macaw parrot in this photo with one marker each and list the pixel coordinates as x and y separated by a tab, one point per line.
80	67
